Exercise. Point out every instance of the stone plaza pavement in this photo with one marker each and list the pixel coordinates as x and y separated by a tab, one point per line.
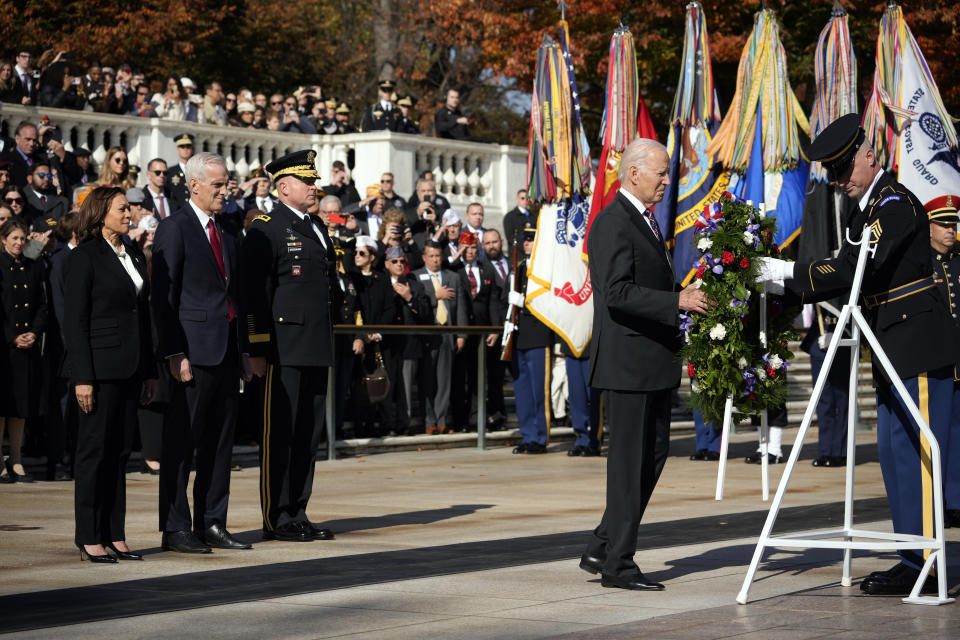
460	543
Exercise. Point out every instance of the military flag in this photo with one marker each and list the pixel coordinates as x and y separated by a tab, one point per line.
835	75
696	179
759	138
559	292
905	119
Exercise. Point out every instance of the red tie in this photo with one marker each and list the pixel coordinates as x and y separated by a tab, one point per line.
218	254
473	282
162	210
43	199
503	273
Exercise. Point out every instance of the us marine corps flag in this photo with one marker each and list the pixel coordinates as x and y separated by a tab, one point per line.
905	119
696	179
558	170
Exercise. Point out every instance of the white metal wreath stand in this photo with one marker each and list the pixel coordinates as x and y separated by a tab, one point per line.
871	540
728	416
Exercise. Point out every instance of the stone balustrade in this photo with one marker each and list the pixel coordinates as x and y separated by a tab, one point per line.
465	171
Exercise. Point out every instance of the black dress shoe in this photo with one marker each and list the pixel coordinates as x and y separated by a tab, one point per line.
897	583
318	532
755	458
576	452
701	454
830	461
951	518
290	532
183	542
123	555
892	571
218	537
104	559
637	582
591	564
520	448
536	447
19	478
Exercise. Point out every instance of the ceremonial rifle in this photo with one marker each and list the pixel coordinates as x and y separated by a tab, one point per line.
510	326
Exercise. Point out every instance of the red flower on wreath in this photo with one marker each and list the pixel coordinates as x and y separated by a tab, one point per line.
744	263
775	249
751	395
691	371
702	270
727	258
771	373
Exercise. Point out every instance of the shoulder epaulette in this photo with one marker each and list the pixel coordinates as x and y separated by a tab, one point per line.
263	218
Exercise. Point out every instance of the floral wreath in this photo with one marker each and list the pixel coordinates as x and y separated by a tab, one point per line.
724	347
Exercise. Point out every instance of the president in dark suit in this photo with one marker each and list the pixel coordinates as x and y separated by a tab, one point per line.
287	267
196	304
633	355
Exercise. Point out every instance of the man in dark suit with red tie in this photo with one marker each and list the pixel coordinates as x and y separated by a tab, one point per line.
634	355
288	274
196	302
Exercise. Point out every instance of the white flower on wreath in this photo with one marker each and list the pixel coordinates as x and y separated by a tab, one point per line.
686	337
695	387
742	362
775	362
704	243
718	332
697	282
749	238
761	374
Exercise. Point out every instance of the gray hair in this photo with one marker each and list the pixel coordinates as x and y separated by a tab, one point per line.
637	153
425	181
328	199
197	165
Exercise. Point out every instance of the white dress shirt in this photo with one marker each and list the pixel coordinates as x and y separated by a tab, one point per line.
866	197
265	204
317	231
203	218
127	263
157	199
641	210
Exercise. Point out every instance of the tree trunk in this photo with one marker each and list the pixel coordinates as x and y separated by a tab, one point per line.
385	38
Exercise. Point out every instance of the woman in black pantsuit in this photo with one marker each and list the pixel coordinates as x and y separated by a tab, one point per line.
23	309
109	349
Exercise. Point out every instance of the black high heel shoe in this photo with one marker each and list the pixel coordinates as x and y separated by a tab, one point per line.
104	559
124	555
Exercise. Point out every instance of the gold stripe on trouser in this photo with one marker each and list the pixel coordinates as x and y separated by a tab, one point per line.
546	390
265	449
926	464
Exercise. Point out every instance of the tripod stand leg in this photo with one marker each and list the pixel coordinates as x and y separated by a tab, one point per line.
724	447
854	384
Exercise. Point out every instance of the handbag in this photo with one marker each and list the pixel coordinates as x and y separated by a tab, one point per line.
377	382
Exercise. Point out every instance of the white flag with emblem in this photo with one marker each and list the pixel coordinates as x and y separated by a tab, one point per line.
559	293
927	164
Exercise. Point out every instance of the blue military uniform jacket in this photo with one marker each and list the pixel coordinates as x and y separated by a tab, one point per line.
288	277
899	297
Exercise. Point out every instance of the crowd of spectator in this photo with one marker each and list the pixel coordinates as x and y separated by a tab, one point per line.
57	80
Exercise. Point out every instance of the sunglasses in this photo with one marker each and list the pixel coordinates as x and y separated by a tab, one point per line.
42	175
13	200
386	181
157	173
120	160
276	102
362	254
396	260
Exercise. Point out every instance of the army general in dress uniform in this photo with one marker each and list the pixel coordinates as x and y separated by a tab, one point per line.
382	114
909	318
287	266
943	216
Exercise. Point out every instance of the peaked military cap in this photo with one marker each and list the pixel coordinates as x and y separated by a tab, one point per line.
386	85
405	101
836	145
943	210
529	231
330	103
184	140
343	109
299	163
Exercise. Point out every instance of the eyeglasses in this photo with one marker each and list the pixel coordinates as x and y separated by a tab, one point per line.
42	175
119	160
386	181
13	200
362	254
396	260
143	93
276	102
157	172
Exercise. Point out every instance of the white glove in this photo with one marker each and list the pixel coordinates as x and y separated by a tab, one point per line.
775	287
824	341
774	269
508	327
516	299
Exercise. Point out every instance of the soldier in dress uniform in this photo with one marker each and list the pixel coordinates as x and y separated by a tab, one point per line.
287	261
943	216
176	178
407	125
909	318
343	119
382	114
328	122
531	362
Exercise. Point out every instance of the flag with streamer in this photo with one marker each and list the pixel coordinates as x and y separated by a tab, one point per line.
759	139
835	75
906	120
559	293
696	179
625	117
